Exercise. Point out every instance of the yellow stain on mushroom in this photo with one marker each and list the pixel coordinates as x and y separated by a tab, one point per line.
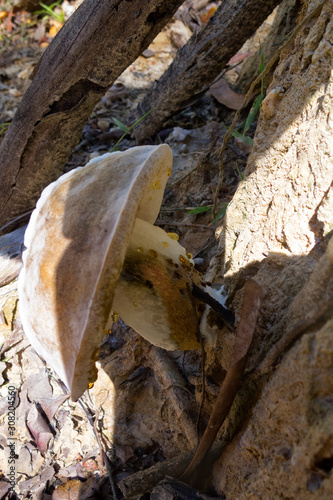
90	386
169	172
173	236
186	264
115	317
189	255
139	249
182	259
165	244
152	254
156	184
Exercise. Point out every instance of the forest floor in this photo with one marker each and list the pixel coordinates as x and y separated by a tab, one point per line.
134	412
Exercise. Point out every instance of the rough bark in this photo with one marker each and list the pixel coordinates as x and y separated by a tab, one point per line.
93	48
201	60
277	230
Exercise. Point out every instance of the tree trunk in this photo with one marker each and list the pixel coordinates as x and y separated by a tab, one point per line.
277	231
201	60
94	47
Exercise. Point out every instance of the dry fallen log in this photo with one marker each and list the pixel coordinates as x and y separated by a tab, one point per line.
94	47
201	60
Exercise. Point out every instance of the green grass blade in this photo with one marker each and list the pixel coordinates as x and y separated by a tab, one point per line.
242	137
125	129
253	113
121	125
199	210
140	119
220	214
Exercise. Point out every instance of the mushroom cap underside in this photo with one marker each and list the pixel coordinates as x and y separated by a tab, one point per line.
76	244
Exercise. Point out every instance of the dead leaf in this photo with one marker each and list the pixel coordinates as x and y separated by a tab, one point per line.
90	464
75	489
240	56
244	335
39	429
54	29
4	487
208	14
38	386
223	94
50	406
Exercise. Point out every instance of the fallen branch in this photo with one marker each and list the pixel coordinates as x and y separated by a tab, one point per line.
201	60
98	42
231	383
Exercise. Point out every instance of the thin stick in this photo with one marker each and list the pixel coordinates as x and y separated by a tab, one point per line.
203	357
103	456
183	224
255	82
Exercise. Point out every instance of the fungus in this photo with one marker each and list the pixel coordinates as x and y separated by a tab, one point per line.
93	253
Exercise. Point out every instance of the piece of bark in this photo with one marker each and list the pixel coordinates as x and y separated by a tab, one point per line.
11	247
139	483
201	60
94	47
171	489
142	481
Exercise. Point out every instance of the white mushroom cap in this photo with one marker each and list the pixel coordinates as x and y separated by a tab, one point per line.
76	245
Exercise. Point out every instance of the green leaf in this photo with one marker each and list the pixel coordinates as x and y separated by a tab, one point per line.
125	129
253	113
199	210
220	214
121	125
240	173
48	10
242	137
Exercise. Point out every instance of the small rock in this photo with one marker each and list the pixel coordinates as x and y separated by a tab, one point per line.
148	53
179	34
90	464
103	125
